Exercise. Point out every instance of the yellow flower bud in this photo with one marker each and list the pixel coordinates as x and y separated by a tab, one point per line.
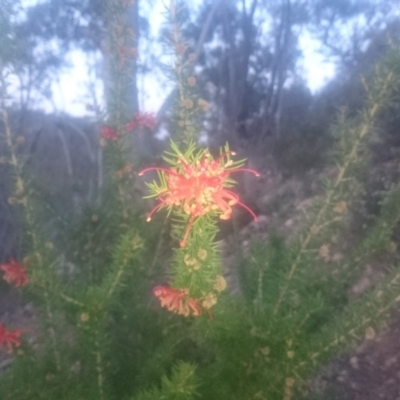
324	252
290	354
202	254
187	103
340	208
84	317
203	105
191	81
209	300
370	333
220	283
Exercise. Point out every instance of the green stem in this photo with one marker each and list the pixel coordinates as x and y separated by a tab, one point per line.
351	157
353	331
20	185
99	366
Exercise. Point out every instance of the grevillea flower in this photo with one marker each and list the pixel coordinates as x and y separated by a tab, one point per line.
108	133
9	338
14	273
177	301
198	186
140	120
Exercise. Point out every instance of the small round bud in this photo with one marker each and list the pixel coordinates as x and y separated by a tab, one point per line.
84	317
191	81
21	140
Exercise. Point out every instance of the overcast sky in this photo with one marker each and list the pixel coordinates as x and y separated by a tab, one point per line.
77	83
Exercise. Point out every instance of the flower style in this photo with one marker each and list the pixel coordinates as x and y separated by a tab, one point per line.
14	273
141	119
177	301
9	338
198	187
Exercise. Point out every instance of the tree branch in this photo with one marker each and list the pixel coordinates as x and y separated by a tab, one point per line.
199	48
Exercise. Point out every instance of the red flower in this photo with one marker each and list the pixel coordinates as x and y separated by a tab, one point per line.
9	338
14	273
140	120
199	187
108	133
177	301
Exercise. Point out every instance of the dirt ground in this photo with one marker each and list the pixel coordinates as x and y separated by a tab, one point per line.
370	372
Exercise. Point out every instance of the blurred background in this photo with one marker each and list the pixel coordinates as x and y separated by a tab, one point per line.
273	74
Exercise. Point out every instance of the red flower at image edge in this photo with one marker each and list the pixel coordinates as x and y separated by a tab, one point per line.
199	188
177	301
9	338
140	120
14	273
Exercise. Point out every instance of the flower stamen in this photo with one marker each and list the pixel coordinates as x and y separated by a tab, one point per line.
198	187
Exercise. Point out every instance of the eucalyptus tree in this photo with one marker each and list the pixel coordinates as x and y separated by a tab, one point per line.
252	54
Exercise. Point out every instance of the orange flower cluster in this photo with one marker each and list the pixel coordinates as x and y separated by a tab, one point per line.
177	301
140	120
14	273
9	338
108	133
199	188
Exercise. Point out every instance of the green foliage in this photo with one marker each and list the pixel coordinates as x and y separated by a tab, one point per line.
180	386
107	338
7	35
297	154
